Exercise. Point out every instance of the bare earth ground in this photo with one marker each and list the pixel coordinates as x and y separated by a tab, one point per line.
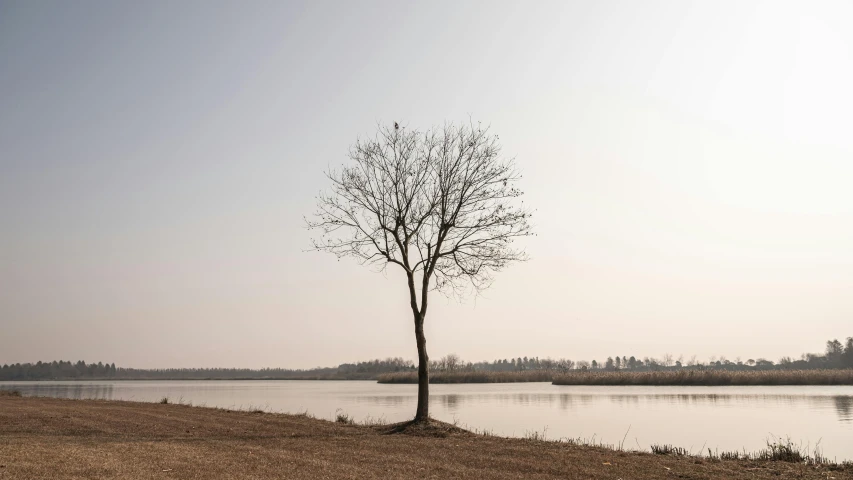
64	439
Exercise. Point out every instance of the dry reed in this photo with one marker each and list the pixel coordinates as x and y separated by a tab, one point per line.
685	377
688	377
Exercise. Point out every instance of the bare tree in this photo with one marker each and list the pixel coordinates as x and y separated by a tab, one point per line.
452	362
440	205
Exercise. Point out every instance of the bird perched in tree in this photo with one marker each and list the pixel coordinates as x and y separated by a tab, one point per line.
396	126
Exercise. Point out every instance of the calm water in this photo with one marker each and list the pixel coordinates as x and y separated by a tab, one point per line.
724	418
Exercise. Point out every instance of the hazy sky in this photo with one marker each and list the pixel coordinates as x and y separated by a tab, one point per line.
691	164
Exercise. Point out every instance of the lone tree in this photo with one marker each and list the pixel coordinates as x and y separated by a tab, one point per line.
439	204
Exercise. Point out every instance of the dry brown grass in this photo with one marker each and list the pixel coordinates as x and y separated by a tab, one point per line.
46	438
470	377
710	377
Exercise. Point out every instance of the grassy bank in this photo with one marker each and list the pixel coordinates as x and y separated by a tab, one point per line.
710	377
470	377
46	438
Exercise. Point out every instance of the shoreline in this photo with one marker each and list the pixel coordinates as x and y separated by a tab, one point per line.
126	439
677	378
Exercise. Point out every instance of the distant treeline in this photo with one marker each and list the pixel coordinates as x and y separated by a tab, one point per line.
63	370
836	355
57	370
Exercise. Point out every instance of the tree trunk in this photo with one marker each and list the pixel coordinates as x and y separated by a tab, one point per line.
422	413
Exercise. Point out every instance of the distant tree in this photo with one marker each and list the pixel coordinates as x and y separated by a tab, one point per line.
813	359
632	362
834	350
609	364
594	364
440	205
452	362
618	361
847	356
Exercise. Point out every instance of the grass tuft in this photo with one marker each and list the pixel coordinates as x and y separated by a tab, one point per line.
536	436
667	449
304	414
777	450
380	421
343	417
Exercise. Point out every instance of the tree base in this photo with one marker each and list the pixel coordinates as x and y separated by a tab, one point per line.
429	427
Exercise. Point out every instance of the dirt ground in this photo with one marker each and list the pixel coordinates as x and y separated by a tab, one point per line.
45	438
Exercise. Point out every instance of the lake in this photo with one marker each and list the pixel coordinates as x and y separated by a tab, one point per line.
697	418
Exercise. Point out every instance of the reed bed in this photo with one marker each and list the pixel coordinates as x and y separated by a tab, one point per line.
684	377
688	377
471	377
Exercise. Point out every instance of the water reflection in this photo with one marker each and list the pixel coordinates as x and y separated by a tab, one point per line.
75	391
843	404
385	400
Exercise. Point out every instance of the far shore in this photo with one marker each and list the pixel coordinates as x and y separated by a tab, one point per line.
682	377
48	438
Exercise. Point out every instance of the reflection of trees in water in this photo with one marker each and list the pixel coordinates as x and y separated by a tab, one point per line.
385	400
450	401
568	401
844	405
100	391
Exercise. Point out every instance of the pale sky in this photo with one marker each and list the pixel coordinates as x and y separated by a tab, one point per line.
691	164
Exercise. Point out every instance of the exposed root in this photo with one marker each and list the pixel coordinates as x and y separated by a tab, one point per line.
423	428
